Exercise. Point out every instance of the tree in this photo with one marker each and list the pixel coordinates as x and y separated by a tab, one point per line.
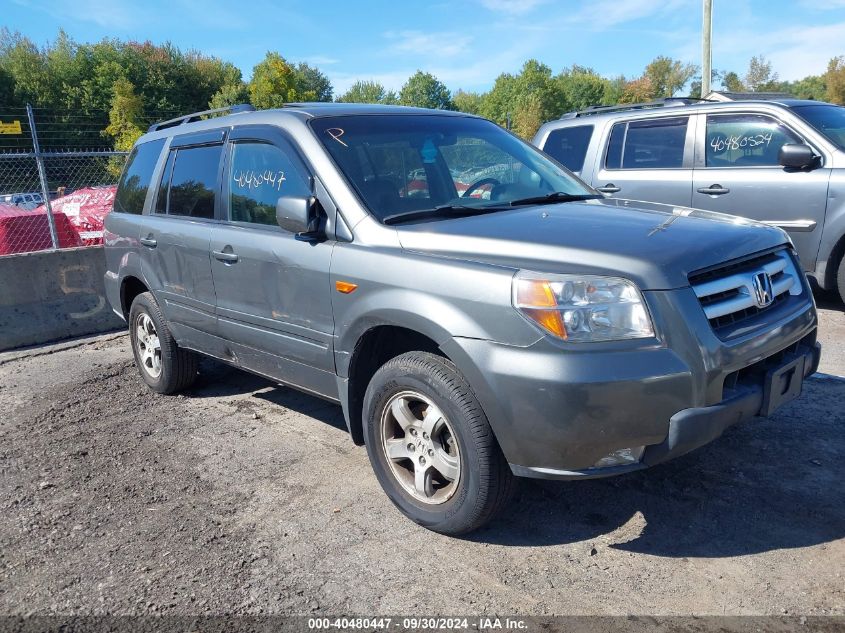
125	117
274	84
311	81
759	77
364	92
532	95
811	87
582	87
732	82
228	95
835	80
637	91
424	90
469	102
667	76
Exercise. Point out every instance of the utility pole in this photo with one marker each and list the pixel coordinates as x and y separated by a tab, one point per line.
706	49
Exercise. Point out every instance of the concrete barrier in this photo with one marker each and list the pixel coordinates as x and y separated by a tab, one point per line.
52	295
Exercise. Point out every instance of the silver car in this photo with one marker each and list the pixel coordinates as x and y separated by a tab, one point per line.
516	324
778	162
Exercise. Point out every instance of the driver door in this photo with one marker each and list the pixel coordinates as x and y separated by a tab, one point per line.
273	290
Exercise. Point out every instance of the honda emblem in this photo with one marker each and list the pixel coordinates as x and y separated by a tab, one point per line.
763	292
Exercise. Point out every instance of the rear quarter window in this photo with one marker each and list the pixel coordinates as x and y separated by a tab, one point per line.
568	146
135	180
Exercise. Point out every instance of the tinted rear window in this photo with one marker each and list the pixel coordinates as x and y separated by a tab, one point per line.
133	185
568	146
648	144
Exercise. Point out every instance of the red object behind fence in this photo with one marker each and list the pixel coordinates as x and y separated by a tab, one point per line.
22	231
86	209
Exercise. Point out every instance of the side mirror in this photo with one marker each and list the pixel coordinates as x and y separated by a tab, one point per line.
298	215
796	155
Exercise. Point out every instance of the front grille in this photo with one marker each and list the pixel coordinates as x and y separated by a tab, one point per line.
727	293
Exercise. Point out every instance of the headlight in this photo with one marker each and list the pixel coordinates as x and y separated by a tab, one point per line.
582	308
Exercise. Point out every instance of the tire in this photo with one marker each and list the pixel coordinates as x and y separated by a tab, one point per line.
840	279
427	393
163	366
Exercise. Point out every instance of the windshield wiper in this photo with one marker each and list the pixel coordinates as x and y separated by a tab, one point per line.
444	210
557	196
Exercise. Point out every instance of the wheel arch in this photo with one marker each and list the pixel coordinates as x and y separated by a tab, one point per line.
376	343
130	287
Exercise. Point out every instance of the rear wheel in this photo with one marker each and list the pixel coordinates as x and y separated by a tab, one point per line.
431	445
163	365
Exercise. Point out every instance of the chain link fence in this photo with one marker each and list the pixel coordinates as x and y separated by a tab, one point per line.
54	190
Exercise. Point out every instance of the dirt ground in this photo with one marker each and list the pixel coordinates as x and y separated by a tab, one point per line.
245	497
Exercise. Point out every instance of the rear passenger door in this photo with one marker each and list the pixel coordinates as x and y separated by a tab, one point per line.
737	171
273	290
649	159
176	235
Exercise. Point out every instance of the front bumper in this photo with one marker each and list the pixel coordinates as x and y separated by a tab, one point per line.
557	411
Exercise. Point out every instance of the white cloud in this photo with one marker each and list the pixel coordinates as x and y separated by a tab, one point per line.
823	5
512	7
320	60
786	49
604	14
427	45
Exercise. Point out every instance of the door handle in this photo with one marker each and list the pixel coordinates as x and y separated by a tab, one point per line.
714	190
609	188
149	241
225	257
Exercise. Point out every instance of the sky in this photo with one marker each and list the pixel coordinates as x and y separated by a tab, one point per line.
465	43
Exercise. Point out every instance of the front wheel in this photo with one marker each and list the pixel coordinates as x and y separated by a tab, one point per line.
431	445
840	279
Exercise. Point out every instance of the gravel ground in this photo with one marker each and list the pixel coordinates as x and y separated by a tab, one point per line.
245	497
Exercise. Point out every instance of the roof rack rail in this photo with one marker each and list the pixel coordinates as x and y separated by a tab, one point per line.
660	103
196	116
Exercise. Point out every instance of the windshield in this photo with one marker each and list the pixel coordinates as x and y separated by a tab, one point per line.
402	164
829	120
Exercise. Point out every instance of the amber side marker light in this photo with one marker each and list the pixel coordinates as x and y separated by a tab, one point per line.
345	287
537	301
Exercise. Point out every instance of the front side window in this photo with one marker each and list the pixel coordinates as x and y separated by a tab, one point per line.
745	140
407	163
260	173
568	146
136	177
193	182
647	144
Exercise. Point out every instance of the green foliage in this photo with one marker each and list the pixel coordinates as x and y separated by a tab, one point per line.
582	87
424	90
667	76
274	83
367	92
637	91
759	76
835	80
528	98
732	83
311	81
125	116
469	102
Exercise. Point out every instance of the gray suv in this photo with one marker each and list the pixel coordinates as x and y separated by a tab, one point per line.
476	310
778	162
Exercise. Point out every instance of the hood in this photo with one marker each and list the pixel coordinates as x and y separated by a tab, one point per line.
655	245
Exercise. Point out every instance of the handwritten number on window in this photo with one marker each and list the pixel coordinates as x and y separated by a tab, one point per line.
750	141
255	180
